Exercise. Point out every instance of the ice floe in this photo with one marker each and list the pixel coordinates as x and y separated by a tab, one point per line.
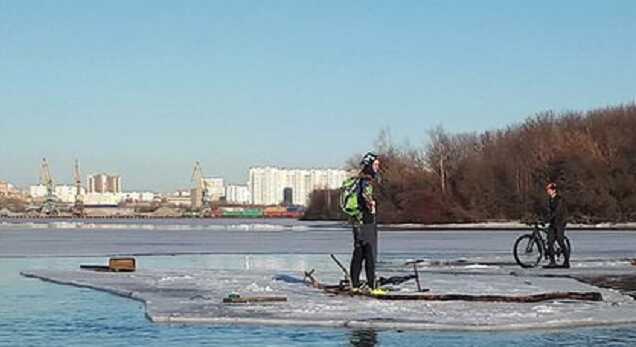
195	296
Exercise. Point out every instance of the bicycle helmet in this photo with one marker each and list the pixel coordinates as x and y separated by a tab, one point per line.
368	159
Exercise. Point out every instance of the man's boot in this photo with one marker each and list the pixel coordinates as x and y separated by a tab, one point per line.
566	264
566	261
552	263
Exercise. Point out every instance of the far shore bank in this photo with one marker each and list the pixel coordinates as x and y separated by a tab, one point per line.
503	226
486	226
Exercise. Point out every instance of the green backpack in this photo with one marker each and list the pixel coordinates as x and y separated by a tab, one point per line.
349	198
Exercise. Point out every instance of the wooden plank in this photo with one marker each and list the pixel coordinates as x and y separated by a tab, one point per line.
103	268
253	299
533	298
585	296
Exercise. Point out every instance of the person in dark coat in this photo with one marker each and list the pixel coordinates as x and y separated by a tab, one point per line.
557	219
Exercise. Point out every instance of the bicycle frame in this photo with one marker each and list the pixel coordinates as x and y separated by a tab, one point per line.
527	246
538	232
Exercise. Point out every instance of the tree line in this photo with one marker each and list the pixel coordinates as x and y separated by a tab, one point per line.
501	174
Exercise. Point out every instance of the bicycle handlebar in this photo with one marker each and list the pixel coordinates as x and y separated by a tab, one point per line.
537	223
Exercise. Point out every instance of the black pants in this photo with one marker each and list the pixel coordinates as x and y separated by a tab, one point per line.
365	248
557	233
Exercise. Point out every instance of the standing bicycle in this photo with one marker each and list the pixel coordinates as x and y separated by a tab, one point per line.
555	232
530	249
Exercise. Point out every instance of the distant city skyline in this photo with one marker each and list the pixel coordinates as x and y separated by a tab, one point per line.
146	89
266	186
105	183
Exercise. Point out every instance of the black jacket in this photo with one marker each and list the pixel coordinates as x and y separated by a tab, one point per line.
365	195
558	212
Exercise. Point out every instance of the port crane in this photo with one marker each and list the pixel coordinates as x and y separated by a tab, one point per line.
78	207
49	206
200	189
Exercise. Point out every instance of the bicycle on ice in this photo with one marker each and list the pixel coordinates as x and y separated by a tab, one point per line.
530	248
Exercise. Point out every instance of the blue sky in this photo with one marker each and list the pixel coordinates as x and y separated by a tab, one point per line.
145	88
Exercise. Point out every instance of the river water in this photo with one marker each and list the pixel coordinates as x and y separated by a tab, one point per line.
36	313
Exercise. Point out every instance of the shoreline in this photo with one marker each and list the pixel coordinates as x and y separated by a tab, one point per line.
503	226
483	226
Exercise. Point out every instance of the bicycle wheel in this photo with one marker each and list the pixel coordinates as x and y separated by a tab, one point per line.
527	251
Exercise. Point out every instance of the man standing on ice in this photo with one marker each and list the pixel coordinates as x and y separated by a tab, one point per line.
365	233
557	218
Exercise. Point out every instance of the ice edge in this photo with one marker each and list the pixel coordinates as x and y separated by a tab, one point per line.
334	323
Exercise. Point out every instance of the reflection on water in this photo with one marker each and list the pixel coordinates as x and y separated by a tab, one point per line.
363	338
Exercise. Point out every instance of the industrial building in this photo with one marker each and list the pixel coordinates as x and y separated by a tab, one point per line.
64	193
269	185
215	188
237	194
104	183
4	188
